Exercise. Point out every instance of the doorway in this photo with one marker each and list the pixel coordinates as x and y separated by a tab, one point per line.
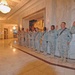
5	33
36	20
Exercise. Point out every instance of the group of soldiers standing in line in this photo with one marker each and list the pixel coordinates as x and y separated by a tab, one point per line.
48	42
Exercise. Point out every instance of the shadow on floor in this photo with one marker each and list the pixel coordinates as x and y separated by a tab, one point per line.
37	68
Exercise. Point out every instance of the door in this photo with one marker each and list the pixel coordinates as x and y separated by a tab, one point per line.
5	33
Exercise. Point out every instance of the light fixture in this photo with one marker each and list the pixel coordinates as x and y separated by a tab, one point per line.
14	27
4	8
11	30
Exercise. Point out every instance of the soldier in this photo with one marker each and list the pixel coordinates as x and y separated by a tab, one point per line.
72	44
22	37
44	40
73	28
27	38
37	40
19	37
30	39
52	36
63	41
33	33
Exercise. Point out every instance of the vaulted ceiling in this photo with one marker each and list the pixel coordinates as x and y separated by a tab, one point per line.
15	5
12	4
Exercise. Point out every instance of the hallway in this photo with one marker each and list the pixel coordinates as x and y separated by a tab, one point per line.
15	62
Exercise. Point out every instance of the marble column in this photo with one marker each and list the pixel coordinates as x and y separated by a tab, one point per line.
20	23
25	24
48	13
73	12
63	12
58	11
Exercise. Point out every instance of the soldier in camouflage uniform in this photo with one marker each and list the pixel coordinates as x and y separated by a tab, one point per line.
63	41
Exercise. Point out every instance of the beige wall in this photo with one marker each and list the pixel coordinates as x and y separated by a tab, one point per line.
56	11
25	24
10	30
1	31
34	6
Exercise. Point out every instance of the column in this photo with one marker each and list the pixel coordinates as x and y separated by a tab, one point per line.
25	24
48	14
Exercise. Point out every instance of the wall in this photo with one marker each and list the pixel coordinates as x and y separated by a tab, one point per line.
1	31
56	11
25	24
10	30
31	9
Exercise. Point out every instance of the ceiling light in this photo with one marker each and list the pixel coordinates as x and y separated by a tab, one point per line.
4	8
14	28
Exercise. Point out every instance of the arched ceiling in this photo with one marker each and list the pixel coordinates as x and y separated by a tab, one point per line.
15	5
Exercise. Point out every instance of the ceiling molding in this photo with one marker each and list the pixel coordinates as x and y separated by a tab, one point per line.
42	11
25	3
21	10
30	6
17	1
32	9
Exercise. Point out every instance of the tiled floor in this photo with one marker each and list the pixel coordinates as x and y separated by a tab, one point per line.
15	62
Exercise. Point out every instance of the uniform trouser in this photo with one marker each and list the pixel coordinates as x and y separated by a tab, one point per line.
26	42
22	41
30	43
63	48
34	44
44	45
52	47
37	45
19	40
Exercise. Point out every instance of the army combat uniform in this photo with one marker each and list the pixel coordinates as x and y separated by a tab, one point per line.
37	41
52	36
22	38
71	53
44	41
64	37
